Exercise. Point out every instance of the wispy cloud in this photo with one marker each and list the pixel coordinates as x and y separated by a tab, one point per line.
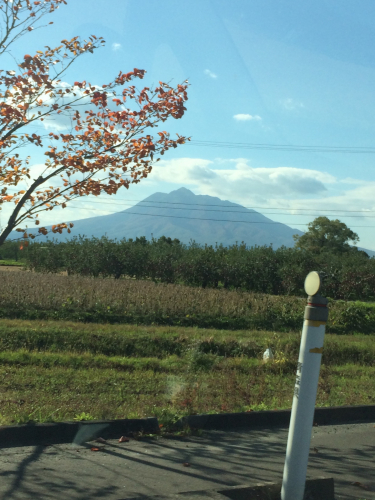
210	73
116	46
289	188
242	179
246	117
290	104
63	121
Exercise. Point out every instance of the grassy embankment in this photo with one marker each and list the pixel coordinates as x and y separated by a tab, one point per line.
61	370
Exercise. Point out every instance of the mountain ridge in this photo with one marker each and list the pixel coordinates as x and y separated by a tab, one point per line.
186	216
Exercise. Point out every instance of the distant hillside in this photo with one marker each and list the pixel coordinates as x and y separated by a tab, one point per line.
182	214
371	253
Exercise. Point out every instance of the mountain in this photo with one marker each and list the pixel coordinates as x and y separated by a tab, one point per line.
370	253
182	214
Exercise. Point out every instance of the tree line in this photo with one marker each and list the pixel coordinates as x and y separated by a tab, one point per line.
348	275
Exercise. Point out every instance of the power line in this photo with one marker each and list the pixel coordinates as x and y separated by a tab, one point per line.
277	147
284	147
230	206
233	211
199	218
324	210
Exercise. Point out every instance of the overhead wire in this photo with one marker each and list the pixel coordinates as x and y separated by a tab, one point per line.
314	210
236	211
283	147
126	212
311	148
264	146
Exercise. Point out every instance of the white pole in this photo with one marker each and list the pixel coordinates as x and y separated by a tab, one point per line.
306	386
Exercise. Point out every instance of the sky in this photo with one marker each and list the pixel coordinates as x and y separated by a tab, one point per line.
281	103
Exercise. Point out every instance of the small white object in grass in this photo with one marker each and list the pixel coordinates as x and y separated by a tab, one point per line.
267	355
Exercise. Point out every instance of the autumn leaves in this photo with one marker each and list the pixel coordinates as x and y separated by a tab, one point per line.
105	144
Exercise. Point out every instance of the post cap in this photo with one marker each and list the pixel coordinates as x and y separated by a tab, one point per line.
312	283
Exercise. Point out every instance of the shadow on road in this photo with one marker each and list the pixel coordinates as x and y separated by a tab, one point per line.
142	469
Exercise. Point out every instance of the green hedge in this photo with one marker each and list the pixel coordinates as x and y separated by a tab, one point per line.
344	318
349	276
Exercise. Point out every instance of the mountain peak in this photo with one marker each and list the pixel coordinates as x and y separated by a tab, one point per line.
176	195
187	216
182	190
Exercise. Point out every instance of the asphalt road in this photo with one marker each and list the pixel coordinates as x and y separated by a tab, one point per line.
143	469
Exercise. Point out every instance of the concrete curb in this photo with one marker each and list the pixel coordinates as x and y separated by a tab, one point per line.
320	488
80	432
73	432
278	418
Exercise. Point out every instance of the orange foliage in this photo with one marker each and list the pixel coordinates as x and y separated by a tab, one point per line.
107	146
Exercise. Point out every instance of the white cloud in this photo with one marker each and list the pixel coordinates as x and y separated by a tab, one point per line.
116	46
245	117
210	73
291	104
289	189
63	121
243	180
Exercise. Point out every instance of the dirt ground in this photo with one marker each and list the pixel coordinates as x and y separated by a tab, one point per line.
11	268
20	268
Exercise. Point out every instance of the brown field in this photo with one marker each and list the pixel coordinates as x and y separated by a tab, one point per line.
54	371
21	268
11	268
51	291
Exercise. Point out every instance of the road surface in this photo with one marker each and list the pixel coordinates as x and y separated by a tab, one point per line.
142	469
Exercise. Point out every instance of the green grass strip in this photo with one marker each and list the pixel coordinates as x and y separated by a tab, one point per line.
89	361
57	393
9	262
161	342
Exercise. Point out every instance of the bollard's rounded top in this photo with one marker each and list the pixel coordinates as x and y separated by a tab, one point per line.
312	283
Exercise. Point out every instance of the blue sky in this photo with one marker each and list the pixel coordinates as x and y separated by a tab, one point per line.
273	72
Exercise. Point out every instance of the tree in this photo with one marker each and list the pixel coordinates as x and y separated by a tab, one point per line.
107	144
326	235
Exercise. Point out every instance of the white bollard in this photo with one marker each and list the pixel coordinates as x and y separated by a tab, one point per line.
308	368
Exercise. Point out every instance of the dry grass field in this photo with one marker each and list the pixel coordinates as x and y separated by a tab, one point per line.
64	370
28	295
141	298
56	370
